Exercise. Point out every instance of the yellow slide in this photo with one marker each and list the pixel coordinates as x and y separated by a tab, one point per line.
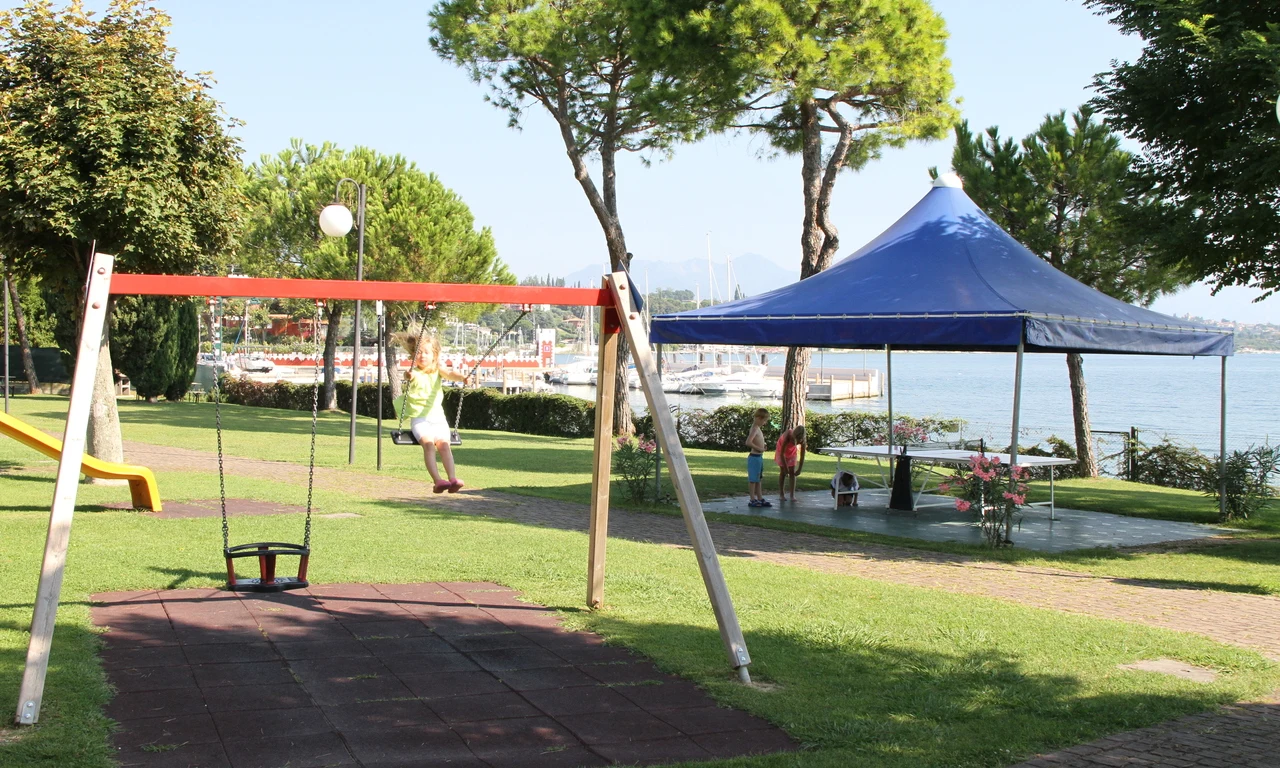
142	483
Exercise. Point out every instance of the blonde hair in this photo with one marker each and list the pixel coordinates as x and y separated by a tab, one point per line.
798	434
408	340
761	413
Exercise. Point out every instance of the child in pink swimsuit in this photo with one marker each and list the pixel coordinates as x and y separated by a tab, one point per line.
789	456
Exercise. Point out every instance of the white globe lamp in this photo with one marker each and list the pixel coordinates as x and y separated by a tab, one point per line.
336	220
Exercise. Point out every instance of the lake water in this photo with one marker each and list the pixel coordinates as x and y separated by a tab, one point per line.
1174	396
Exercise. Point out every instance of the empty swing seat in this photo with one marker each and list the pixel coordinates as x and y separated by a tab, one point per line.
267	552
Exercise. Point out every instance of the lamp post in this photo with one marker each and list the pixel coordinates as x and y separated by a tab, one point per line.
335	221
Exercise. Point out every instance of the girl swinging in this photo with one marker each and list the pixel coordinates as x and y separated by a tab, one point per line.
424	405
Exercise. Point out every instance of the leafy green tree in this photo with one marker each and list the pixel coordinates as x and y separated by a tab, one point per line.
186	342
866	74
1071	195
10	287
417	229
608	72
154	340
1201	98
105	141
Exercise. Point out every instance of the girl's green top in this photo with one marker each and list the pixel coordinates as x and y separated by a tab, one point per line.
423	393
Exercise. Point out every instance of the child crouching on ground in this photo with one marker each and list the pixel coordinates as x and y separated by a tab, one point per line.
755	459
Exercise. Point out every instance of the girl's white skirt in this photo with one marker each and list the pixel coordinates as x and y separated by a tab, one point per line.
433	427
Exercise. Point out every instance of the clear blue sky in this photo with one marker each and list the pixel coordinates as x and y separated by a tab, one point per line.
363	73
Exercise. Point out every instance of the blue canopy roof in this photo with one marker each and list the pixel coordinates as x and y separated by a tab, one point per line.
943	277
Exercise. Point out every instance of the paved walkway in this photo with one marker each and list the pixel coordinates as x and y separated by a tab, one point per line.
1252	621
1243	735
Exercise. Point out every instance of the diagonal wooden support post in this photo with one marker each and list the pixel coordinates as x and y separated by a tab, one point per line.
678	469
598	529
64	491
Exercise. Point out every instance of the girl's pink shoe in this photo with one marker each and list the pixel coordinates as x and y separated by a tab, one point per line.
442	486
455	486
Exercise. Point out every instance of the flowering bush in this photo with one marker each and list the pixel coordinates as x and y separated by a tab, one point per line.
634	460
992	491
906	434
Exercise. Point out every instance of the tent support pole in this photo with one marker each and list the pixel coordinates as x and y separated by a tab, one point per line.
678	471
1013	442
888	386
65	488
598	528
1222	446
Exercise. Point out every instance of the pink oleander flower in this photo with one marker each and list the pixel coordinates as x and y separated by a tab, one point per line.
962	505
648	446
624	441
995	459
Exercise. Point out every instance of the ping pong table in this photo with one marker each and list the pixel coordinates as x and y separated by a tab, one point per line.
935	456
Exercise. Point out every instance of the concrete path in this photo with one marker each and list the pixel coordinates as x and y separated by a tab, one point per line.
1247	620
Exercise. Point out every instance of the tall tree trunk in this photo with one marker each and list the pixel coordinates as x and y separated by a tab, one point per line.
605	207
393	367
28	365
1088	460
796	375
104	438
333	313
793	396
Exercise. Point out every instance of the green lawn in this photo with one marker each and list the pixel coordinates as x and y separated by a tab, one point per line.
859	671
560	468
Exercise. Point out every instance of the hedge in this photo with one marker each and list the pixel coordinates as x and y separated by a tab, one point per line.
722	429
726	428
534	414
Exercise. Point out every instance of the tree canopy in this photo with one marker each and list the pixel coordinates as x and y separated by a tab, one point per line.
1202	100
416	228
615	75
1071	195
105	140
863	74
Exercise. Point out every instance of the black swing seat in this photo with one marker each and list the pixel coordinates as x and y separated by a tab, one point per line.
405	437
267	552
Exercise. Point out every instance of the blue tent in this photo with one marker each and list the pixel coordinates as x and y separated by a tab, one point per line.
947	277
943	277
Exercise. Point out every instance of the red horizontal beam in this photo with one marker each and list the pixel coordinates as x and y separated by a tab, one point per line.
368	290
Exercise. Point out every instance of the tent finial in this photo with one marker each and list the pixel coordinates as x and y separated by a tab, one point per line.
949	179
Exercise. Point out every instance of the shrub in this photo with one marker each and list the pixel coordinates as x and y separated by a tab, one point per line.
1248	477
634	460
726	427
992	492
1170	465
1058	448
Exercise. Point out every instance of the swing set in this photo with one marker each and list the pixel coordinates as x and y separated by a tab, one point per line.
620	316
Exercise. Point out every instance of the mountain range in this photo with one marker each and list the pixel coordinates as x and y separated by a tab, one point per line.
752	272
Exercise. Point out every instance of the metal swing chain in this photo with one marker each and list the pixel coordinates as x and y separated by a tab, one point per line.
315	408
457	417
217	417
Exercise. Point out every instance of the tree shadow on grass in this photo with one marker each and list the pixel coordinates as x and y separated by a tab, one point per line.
892	705
181	576
73	729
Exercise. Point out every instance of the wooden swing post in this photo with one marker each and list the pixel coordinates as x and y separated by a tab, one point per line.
65	489
678	469
602	462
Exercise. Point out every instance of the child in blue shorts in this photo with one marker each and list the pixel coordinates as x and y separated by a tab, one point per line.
755	458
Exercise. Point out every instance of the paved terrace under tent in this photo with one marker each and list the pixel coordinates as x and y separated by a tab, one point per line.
946	277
